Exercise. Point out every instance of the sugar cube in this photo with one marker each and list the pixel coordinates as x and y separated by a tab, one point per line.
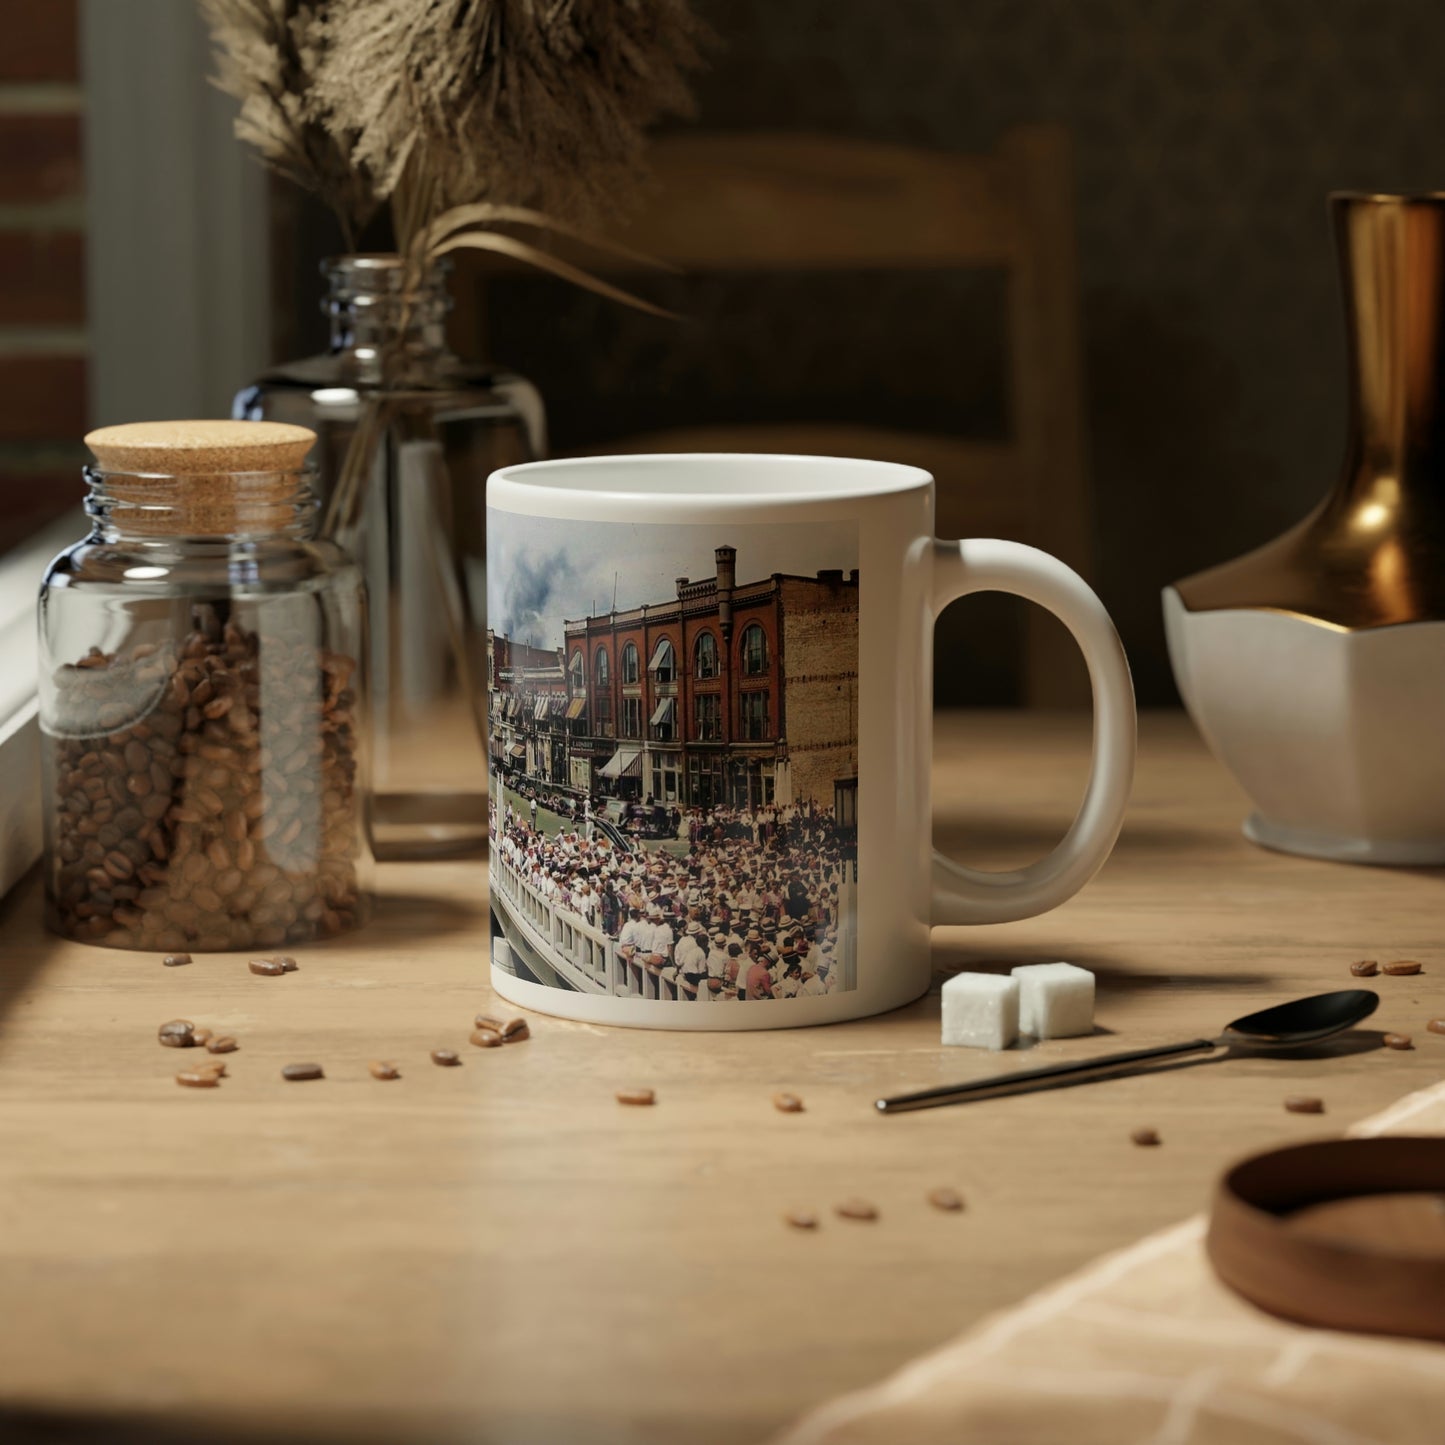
1056	1000
981	1010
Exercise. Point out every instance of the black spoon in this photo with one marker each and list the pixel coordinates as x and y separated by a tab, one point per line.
1285	1026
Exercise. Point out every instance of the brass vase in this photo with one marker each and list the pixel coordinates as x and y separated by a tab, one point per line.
1315	666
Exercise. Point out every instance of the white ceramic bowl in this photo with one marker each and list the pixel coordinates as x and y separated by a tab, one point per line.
1337	736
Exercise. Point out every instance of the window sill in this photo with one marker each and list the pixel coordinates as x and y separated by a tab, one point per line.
20	572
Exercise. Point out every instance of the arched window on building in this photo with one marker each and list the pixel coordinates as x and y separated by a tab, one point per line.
754	651
600	670
705	656
629	663
663	662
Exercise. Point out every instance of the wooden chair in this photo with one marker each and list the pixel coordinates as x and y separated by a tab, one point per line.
752	202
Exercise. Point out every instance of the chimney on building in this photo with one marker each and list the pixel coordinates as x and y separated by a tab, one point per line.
681	583
727	577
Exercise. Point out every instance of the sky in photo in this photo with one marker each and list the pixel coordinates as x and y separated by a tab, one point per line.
544	572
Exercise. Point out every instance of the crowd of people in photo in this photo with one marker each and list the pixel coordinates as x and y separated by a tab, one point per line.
745	905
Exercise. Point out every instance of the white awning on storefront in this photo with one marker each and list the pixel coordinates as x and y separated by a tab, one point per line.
666	710
659	654
574	708
624	763
540	711
517	750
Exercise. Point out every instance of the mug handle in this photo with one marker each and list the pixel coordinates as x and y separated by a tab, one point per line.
969	895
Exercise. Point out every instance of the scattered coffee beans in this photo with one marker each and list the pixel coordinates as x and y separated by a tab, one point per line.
177	1034
202	792
383	1069
801	1219
269	967
1301	1104
486	1021
1399	1041
221	1044
176	960
486	1038
1365	968
1145	1138
947	1199
515	1030
855	1209
787	1103
1436	1026
639	1097
298	1072
198	1079
447	1058
1402	968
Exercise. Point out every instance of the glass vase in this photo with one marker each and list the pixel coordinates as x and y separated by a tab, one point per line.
407	434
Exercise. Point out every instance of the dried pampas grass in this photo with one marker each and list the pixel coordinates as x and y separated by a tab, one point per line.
435	104
268	55
540	103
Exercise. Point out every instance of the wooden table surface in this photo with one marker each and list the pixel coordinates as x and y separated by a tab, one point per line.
502	1252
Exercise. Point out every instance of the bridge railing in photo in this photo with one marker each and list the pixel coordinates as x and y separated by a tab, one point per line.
567	940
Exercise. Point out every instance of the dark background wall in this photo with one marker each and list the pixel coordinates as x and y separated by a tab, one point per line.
1207	134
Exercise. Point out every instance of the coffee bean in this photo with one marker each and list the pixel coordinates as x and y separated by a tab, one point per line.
1398	1041
299	1072
222	1044
859	1209
176	960
1365	968
288	965
383	1070
486	1038
177	1034
201	1036
1402	968
198	1079
801	1219
160	827
515	1030
947	1199
1436	1026
1145	1138
486	1021
638	1097
217	1067
447	1058
1302	1104
268	967
787	1103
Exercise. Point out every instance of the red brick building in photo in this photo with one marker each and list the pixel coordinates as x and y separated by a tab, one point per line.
727	693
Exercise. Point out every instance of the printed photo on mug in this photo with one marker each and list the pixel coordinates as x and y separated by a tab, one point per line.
673	740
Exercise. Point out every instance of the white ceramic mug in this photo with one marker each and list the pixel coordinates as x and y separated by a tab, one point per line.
711	735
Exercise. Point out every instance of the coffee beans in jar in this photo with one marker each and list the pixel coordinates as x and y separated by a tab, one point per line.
200	701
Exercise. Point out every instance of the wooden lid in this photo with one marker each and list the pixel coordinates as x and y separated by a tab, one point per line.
190	448
1347	1234
202	478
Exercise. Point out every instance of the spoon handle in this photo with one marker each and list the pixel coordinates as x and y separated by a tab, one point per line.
1032	1081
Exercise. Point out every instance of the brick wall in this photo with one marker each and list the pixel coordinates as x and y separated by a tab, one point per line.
820	667
42	259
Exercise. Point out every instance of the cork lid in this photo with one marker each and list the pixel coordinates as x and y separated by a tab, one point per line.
188	448
203	478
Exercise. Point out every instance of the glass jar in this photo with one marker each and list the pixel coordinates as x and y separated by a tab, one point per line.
202	661
407	435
